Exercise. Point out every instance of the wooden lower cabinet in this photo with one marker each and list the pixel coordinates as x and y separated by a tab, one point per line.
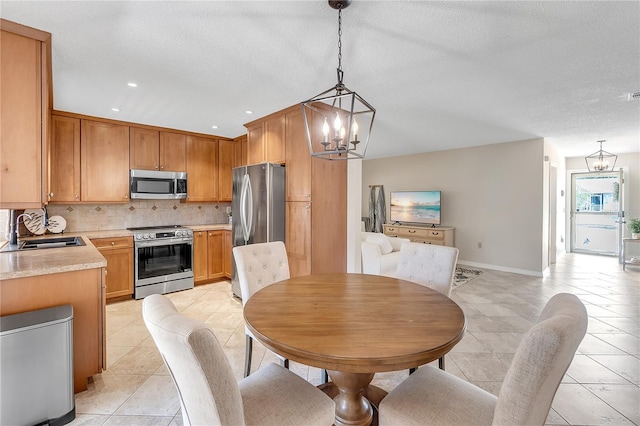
226	254
119	271
80	289
209	263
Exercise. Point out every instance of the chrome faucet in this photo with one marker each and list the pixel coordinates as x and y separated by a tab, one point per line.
13	232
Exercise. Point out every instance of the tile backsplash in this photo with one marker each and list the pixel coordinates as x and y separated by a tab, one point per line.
100	217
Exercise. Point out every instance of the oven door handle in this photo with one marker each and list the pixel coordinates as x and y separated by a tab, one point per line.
165	242
246	207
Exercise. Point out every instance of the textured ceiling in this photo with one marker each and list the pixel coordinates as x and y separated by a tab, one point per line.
441	74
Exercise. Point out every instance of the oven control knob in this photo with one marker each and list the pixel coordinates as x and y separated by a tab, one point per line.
147	236
138	237
178	233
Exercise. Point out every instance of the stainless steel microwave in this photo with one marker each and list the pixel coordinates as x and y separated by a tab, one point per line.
156	185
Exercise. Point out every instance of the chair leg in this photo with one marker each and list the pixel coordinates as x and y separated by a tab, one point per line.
441	363
247	355
325	376
412	370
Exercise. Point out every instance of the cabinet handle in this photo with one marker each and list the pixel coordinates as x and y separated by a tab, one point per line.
307	195
412	231
77	196
113	243
51	194
161	167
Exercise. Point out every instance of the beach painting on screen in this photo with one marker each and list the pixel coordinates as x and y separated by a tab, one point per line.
415	207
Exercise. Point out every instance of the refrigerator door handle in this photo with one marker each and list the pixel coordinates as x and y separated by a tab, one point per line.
246	212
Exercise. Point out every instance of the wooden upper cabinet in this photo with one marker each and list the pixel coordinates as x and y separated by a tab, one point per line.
202	169
173	152
255	144
144	149
104	162
64	181
240	157
298	159
24	103
226	152
274	139
154	150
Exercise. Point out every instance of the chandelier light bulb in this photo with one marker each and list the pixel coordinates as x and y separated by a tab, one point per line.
325	130
337	123
354	128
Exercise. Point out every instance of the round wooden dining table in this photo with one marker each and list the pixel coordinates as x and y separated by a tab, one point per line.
354	325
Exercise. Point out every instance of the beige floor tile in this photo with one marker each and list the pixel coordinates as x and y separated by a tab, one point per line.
107	393
585	370
138	421
623	341
623	365
156	397
140	360
624	398
89	420
578	406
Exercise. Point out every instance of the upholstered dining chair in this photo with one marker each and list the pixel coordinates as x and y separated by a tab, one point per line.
259	265
433	396
208	391
430	265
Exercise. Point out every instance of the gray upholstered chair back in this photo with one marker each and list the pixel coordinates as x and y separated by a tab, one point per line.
540	362
260	265
208	391
427	264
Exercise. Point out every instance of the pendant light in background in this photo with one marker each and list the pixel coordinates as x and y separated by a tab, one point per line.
600	160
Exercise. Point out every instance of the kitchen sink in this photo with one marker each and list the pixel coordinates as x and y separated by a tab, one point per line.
44	243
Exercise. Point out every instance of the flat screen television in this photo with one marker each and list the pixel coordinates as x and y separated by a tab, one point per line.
415	207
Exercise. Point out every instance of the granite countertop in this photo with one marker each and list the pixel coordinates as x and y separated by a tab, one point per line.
28	263
20	264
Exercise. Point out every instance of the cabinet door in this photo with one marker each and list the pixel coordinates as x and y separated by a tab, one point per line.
202	169
21	165
119	271
144	148
225	165
200	256
298	159
298	238
104	165
274	139
173	152
215	242
255	144
226	255
64	181
240	156
119	277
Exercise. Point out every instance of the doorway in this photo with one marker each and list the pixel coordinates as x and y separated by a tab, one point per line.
596	205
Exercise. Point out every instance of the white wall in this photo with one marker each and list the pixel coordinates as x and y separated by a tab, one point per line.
491	194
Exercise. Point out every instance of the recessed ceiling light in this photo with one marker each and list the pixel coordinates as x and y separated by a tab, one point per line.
115	109
249	112
214	127
132	84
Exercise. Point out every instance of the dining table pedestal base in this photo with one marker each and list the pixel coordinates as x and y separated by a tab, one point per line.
352	406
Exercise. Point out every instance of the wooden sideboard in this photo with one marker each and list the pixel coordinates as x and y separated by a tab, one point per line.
442	235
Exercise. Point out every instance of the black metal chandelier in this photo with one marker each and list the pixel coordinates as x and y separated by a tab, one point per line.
599	160
338	121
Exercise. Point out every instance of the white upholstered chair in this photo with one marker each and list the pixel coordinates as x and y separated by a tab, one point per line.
430	265
433	396
259	265
208	391
380	253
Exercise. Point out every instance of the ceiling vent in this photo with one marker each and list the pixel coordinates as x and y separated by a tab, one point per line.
634	96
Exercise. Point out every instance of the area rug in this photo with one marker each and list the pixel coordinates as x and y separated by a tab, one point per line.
464	275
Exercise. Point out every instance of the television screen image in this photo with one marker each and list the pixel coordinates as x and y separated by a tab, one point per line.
415	207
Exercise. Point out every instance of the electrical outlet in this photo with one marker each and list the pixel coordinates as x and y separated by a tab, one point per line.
479	245
228	209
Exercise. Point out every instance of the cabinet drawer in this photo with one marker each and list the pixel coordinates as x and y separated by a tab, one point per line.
119	242
391	231
413	233
437	235
434	242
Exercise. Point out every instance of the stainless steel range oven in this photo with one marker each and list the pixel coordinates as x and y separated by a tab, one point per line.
163	260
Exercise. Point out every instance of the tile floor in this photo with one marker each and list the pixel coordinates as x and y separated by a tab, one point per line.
601	386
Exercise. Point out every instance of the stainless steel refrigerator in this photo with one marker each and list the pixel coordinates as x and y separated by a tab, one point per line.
257	208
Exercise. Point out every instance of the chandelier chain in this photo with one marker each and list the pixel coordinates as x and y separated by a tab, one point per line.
340	39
